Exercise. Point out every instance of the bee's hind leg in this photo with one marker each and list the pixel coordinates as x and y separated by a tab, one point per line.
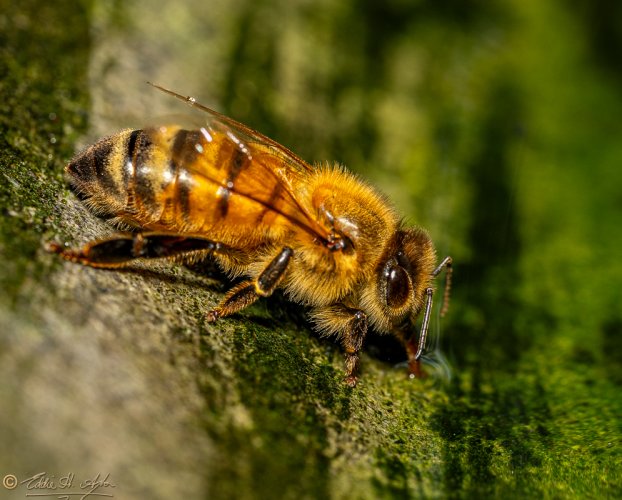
121	250
247	292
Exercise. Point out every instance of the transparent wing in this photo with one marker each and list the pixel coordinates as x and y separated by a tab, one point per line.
245	176
245	134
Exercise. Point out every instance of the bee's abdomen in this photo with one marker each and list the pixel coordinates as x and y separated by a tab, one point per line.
135	175
157	178
184	181
96	174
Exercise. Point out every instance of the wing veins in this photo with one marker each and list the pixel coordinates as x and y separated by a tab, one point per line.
293	159
296	221
230	126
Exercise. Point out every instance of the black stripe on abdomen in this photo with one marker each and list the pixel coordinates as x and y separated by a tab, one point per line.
129	161
143	184
239	161
184	149
184	152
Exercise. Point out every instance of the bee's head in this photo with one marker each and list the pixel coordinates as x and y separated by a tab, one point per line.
401	277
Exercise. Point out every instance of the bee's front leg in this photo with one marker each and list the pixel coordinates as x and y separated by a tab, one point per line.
352	342
351	326
247	292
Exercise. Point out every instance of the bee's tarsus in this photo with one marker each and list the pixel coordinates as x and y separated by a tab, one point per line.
351	380
53	247
212	316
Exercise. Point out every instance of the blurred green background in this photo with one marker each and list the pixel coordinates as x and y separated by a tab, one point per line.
495	125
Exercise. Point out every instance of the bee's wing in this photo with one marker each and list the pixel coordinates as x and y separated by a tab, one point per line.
239	185
252	172
245	134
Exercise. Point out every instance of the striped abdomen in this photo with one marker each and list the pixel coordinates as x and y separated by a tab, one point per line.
178	180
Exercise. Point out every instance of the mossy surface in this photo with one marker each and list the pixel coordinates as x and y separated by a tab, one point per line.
486	123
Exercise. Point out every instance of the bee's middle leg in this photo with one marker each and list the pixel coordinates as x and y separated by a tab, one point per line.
247	292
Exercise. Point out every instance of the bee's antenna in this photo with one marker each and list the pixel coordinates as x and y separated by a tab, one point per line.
445	264
426	322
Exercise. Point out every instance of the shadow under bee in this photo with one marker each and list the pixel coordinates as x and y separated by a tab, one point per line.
202	275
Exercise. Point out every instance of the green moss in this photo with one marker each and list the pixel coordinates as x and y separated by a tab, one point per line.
43	67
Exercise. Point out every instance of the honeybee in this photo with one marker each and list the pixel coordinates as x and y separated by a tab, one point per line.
323	235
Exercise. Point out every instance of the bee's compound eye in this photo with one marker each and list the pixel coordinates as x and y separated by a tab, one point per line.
398	287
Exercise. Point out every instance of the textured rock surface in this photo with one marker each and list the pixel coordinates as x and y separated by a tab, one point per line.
496	130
